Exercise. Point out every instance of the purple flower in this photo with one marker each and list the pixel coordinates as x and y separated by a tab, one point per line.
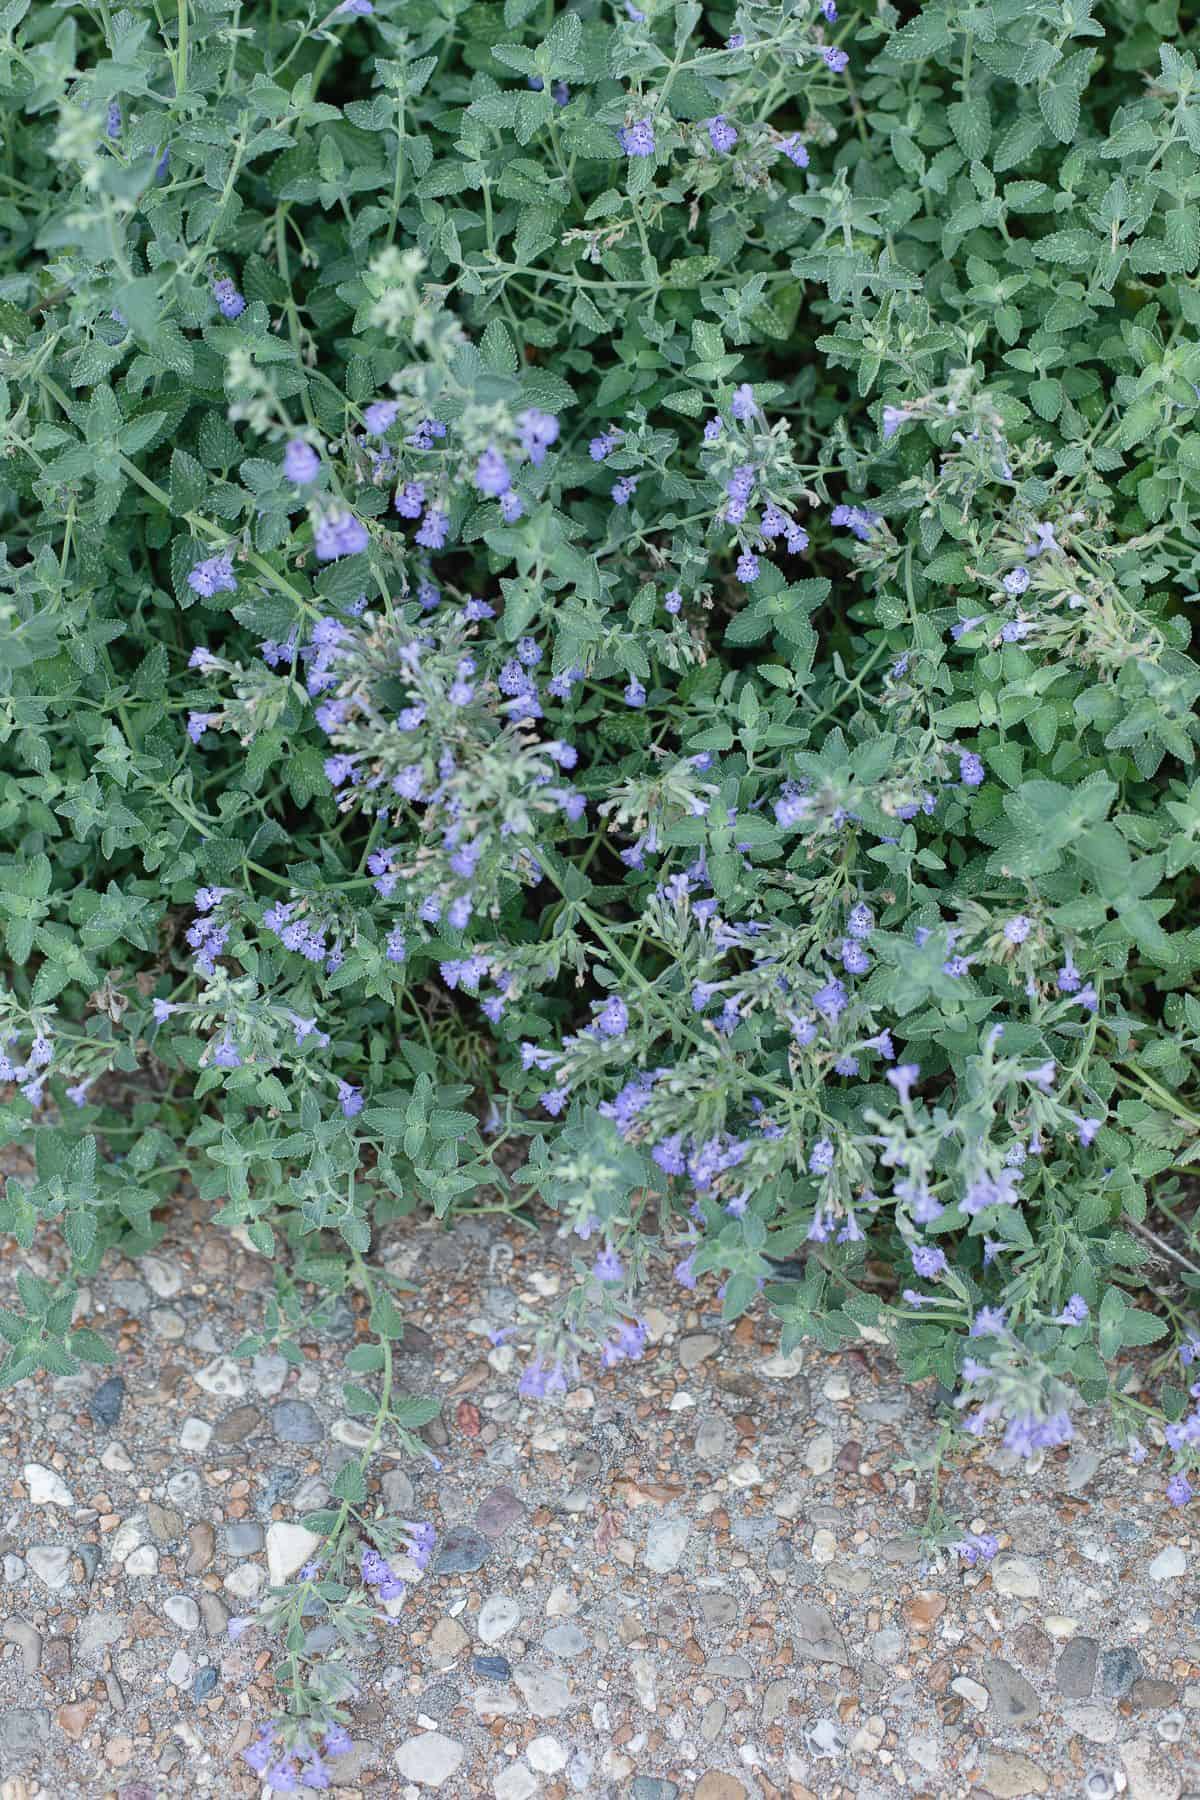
831	999
1074	1312
637	139
743	406
511	506
903	1078
349	1099
198	723
722	136
673	601
635	693
855	960
861	922
629	1342
337	1741
685	1273
1016	581
977	1547
339	534
213	576
835	59
989	1321
357	9
970	769
112	123
434	528
380	416
599	447
928	1262
229	302
821	1158
747	567
1017	929
608	1265
491	474
1087	1130
858	519
623	490
410	499
540	1378
1179	1490
226	1056
538	431
795	150
612	1020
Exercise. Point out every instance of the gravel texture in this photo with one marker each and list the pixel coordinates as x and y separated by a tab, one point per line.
694	1578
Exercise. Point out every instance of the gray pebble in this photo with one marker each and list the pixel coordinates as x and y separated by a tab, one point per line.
23	1731
105	1404
497	1668
1075	1674
462	1551
653	1787
565	1641
1012	1696
1119	1669
244	1538
28	1642
295	1422
205	1682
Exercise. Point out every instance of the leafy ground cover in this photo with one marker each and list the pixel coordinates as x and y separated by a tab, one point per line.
596	605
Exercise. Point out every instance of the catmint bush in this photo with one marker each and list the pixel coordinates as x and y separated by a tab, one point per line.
595	608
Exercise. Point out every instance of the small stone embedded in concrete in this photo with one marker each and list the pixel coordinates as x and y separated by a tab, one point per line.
222	1377
1151	1776
295	1422
665	1544
495	1668
1168	1565
51	1563
46	1486
206	1680
497	1617
566	1641
429	1759
498	1512
1007	1775
516	1782
546	1755
1119	1669
546	1694
1014	1699
697	1348
461	1551
1017	1577
817	1637
289	1547
105	1404
1075	1674
182	1611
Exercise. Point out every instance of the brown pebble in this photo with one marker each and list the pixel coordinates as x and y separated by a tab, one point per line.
75	1717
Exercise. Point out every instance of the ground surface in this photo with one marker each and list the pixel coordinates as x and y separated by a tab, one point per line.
693	1577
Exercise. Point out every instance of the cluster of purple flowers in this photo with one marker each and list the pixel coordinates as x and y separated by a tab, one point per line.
229	302
285	1768
213	576
976	1547
30	1074
339	533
